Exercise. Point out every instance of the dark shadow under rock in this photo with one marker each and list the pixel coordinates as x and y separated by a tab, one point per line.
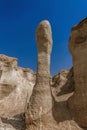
69	86
17	121
60	111
63	83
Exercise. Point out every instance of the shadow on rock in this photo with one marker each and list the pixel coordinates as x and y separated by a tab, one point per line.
17	121
60	111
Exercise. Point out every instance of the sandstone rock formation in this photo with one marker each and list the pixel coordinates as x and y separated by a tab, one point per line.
62	89
40	106
16	86
12	115
48	106
63	83
78	49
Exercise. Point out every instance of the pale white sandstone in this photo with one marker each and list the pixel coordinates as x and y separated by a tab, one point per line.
16	86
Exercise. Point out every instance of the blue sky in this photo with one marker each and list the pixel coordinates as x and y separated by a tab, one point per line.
18	22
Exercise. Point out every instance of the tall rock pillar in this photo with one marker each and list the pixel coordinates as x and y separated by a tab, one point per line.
40	106
78	49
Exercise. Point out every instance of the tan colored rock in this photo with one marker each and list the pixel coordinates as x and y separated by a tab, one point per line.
63	83
78	49
12	118
16	86
62	89
47	108
40	106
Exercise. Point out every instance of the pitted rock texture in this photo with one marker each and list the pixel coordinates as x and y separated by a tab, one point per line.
40	106
78	49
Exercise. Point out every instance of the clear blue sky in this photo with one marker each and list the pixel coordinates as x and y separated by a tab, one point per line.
18	22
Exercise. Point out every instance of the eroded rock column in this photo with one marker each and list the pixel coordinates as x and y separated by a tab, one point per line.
40	106
78	49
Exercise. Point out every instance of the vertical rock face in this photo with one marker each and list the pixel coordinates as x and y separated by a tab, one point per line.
78	49
40	106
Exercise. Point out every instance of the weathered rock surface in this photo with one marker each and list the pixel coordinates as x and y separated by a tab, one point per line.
53	100
78	49
63	83
16	86
12	116
40	106
46	111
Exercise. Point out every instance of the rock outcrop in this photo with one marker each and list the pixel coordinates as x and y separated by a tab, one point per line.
40	106
15	91
16	86
78	49
63	83
37	101
13	118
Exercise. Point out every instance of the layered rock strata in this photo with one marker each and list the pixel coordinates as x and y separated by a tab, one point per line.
78	49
